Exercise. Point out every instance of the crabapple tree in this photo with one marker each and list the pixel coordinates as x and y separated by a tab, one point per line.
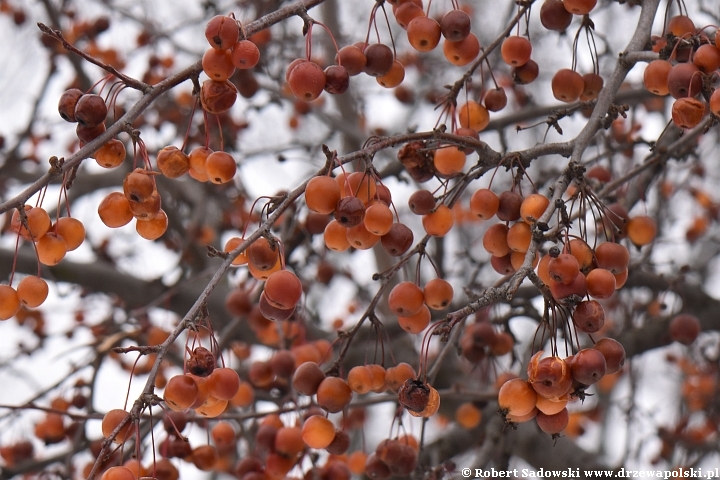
383	238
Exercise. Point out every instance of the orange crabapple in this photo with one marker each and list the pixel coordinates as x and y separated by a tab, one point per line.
517	397
439	222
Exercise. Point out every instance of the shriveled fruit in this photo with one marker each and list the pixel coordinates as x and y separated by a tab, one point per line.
222	32
201	362
687	112
217	96
589	316
414	395
549	376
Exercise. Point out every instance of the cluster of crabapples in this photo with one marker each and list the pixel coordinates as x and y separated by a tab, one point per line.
140	198
205	388
688	63
553	381
52	241
227	52
460	47
282	290
378	60
279	446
